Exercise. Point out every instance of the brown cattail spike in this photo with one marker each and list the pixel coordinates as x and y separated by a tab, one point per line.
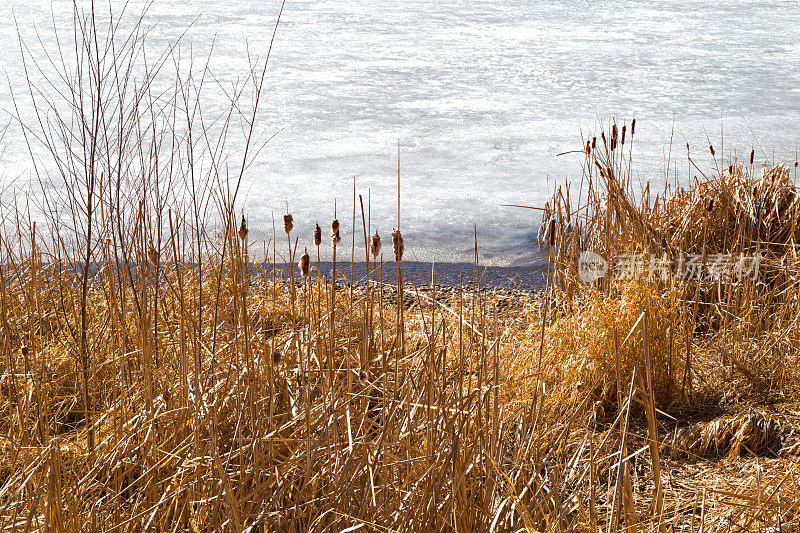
375	245
551	233
633	126
288	223
622	141
24	350
594	142
711	148
397	245
730	169
305	263
243	229
317	235
752	155
152	254
588	147
614	136
335	238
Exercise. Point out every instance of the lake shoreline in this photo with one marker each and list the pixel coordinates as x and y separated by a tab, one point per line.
528	278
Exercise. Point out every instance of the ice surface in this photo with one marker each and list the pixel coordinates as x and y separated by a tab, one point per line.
481	95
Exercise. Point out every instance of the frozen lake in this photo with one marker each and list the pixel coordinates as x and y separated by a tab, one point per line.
481	96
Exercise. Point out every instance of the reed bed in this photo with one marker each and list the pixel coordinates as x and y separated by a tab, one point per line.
153	379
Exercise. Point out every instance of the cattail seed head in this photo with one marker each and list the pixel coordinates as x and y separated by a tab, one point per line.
152	254
730	169
24	350
288	223
603	138
317	235
243	229
305	263
614	136
594	142
711	148
335	238
588	147
397	245
633	126
276	356
375	244
551	233
622	141
752	155
795	164
710	205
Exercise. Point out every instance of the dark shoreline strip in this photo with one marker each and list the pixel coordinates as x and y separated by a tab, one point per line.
528	278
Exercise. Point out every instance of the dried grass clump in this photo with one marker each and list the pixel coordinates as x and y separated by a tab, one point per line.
603	341
734	212
732	436
736	218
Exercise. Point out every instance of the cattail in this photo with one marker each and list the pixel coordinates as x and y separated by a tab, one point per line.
397	245
588	147
730	169
614	136
795	164
24	350
375	245
317	235
276	356
711	147
243	229
633	126
594	142
551	233
288	223
603	137
305	263
752	155
152	254
335	238
623	135
710	205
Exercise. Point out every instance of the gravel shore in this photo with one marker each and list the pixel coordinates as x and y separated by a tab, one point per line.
527	279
